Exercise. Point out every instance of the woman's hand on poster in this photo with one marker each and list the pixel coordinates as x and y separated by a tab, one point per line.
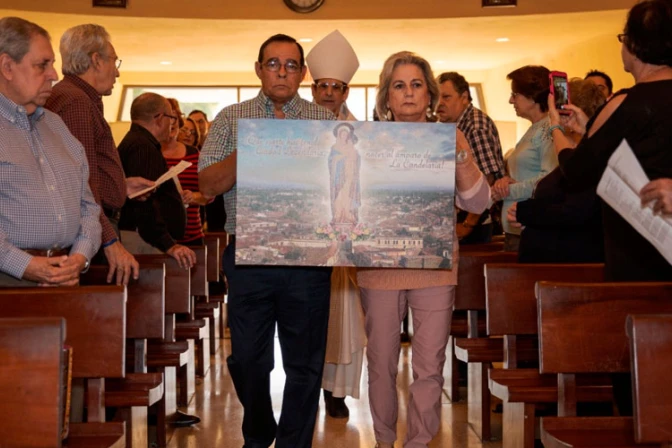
461	142
500	189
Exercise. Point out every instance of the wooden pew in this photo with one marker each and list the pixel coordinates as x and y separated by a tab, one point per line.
145	309
512	320
214	256
145	319
494	246
592	319
187	326
168	355
469	322
95	317
218	286
651	363
212	309
31	381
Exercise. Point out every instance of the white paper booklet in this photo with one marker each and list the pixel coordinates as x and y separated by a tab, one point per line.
171	173
620	186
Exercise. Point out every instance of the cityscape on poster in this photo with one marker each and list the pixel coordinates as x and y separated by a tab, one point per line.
337	193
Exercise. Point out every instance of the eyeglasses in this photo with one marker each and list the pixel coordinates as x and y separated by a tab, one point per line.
514	94
324	86
273	65
115	60
188	131
621	37
173	118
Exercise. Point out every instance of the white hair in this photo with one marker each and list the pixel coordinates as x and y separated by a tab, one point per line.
78	44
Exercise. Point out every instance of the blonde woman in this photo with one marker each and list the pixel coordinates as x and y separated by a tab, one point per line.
407	90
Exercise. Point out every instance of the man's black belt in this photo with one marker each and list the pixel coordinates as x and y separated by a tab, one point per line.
112	213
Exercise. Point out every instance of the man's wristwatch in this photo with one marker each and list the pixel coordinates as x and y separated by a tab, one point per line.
86	266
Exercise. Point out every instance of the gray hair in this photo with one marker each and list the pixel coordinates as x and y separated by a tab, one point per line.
15	36
146	106
78	44
394	61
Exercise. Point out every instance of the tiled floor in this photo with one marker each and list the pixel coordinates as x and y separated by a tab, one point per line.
217	405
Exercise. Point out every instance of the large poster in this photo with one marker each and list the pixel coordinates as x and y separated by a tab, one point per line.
337	193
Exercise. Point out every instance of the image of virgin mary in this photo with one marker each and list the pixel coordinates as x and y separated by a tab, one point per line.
344	167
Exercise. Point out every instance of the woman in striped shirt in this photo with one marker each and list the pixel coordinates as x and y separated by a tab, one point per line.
174	152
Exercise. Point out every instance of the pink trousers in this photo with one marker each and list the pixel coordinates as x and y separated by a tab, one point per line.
431	310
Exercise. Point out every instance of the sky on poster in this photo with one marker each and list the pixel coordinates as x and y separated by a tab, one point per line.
294	153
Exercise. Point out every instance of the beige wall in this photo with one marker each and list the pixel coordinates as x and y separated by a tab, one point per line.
601	53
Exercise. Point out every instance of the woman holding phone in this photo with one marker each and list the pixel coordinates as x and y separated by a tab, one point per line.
562	225
642	115
534	157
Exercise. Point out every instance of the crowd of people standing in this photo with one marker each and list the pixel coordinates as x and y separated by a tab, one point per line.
67	187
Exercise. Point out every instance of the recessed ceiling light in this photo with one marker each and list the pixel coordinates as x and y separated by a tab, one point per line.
166	63
502	39
305	39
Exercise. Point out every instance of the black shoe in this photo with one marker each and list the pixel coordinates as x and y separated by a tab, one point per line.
182	420
404	338
336	407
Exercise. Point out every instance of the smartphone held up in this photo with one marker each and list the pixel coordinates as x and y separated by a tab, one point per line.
560	90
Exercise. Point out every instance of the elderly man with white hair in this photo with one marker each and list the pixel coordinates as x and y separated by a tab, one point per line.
90	68
49	228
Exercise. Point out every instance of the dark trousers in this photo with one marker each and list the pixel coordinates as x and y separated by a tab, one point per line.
297	300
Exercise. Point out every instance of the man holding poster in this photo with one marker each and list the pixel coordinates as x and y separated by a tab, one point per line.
294	298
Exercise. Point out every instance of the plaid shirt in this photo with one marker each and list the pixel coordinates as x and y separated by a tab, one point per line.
45	199
81	108
223	135
483	138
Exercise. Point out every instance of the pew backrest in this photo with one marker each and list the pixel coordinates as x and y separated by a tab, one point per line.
509	291
582	325
31	381
651	364
96	320
199	272
493	246
145	309
212	243
178	282
223	242
470	289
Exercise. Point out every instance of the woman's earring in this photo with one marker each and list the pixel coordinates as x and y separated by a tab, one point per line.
388	114
429	112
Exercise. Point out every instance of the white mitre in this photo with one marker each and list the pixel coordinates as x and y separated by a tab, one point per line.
333	57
